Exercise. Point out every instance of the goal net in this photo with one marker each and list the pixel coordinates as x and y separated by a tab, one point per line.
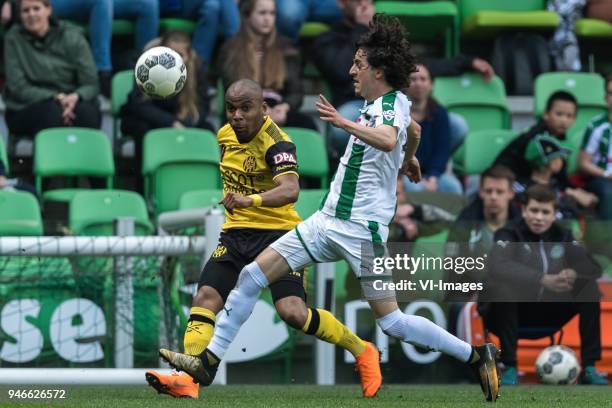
101	302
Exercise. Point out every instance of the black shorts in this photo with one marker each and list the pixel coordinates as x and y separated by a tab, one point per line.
239	247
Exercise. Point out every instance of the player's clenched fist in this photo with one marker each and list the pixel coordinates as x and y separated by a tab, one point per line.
233	200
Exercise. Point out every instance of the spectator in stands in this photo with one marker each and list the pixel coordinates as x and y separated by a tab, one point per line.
258	53
546	157
543	282
189	108
210	15
410	219
51	77
292	14
472	233
596	156
332	54
99	15
434	150
559	116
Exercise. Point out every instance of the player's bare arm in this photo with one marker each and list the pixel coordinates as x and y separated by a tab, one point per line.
383	137
410	166
286	192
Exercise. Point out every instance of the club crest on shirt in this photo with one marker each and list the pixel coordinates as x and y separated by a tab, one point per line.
389	115
250	164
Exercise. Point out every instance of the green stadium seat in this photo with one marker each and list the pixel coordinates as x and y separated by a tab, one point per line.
311	153
19	214
593	28
200	199
3	155
587	88
71	152
120	28
431	246
312	29
93	213
123	27
480	149
486	18
309	202
177	24
482	104
427	21
176	161
121	86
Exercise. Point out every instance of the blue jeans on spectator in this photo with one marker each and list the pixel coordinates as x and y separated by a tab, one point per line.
99	14
338	137
458	130
210	16
146	14
602	188
291	14
447	183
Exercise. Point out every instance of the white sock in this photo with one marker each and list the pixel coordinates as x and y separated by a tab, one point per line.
422	332
238	308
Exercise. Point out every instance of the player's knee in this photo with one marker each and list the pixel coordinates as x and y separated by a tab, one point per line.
208	297
293	311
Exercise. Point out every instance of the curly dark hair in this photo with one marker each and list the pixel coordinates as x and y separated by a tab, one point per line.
387	47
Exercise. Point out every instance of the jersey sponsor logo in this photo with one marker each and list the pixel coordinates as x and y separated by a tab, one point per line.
285	167
240	183
284	157
389	114
219	251
250	164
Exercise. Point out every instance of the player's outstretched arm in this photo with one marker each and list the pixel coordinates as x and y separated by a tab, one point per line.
286	191
383	137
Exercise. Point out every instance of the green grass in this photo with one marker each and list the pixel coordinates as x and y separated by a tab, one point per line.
302	396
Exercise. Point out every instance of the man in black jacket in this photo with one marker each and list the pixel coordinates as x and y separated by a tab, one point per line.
472	233
536	260
332	53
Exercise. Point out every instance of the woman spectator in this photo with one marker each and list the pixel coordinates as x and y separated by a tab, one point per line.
258	53
187	109
434	150
51	78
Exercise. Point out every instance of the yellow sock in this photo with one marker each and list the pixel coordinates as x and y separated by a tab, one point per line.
199	331
326	327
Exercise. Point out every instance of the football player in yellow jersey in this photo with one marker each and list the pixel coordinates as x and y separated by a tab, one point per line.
260	182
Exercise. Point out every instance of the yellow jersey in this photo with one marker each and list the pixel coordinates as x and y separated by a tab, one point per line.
250	168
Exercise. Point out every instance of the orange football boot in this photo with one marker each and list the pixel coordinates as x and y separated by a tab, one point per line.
368	366
178	385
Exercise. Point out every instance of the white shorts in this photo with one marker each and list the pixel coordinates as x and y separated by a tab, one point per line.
322	238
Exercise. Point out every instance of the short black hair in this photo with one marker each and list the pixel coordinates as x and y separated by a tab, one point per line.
542	193
387	47
498	172
560	96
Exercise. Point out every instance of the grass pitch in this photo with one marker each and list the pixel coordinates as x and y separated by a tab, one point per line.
302	396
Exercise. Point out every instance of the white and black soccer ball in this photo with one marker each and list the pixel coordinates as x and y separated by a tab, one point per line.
160	72
557	365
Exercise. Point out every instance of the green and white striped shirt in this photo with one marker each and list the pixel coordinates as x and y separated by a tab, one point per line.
596	141
364	185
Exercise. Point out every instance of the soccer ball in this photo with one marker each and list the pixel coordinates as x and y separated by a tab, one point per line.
160	72
557	365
